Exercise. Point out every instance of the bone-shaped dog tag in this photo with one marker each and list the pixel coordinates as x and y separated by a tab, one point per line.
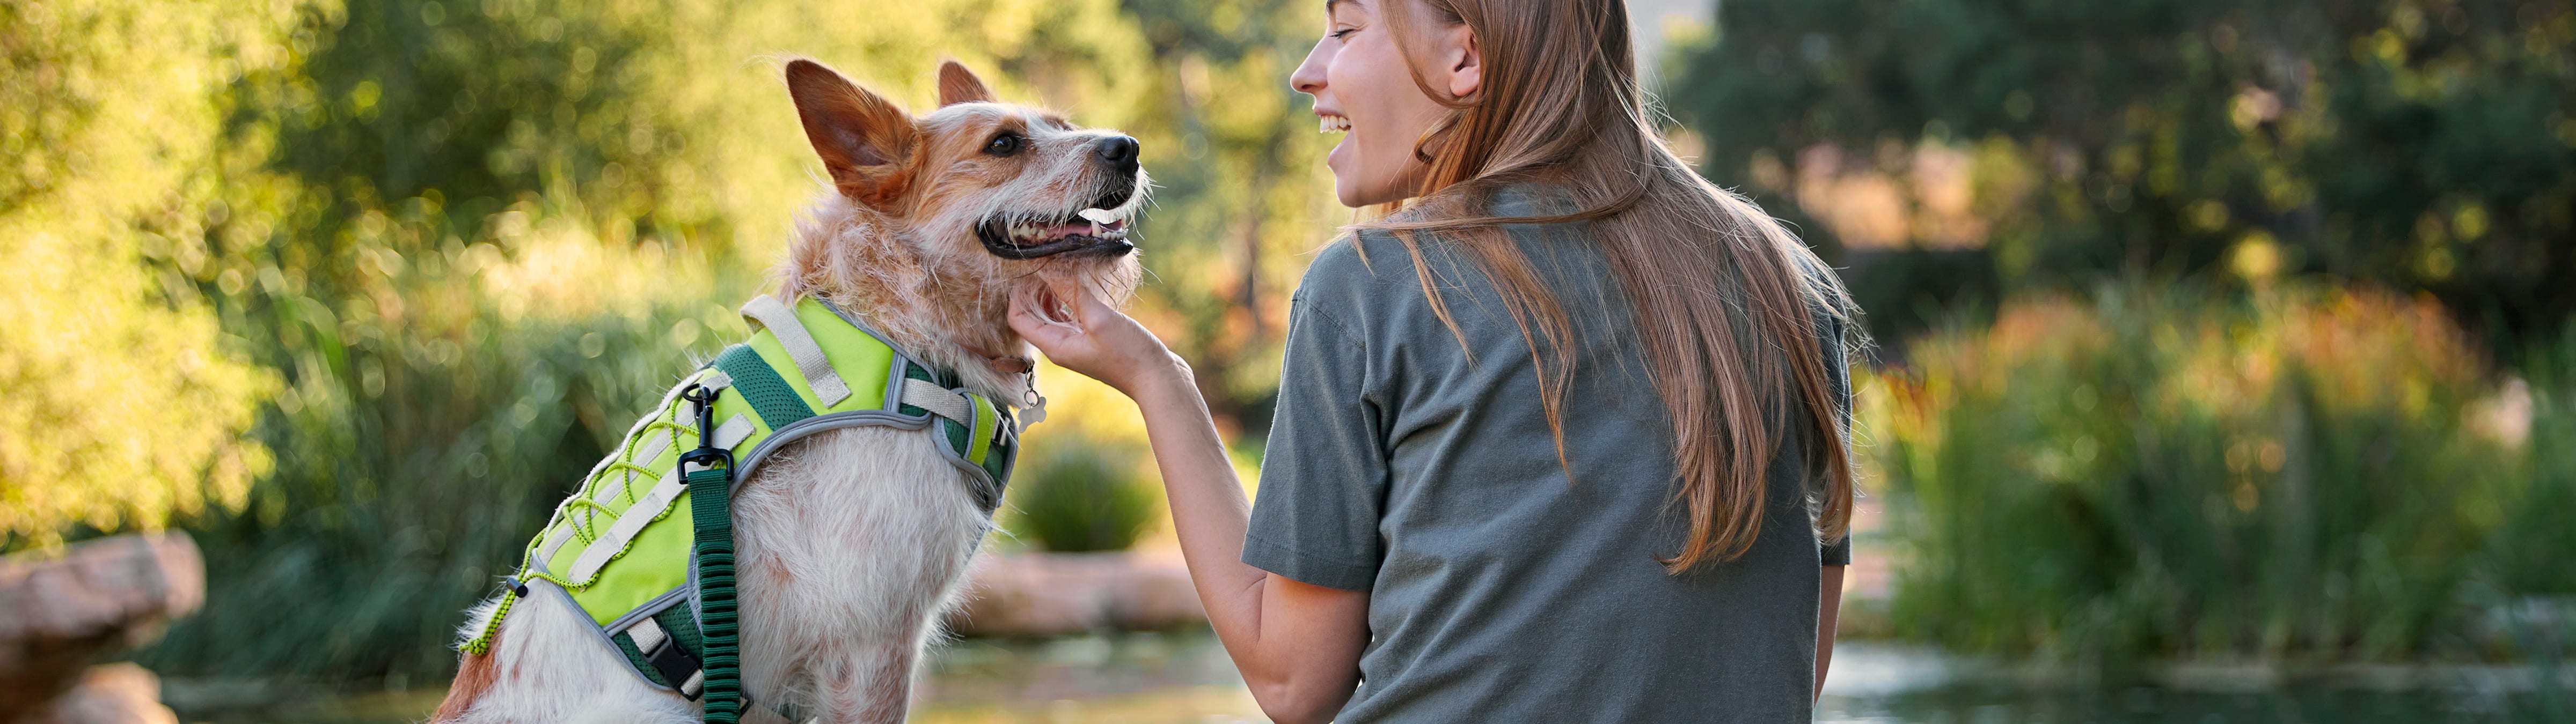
1035	412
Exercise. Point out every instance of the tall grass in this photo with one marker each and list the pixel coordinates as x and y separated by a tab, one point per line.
2303	474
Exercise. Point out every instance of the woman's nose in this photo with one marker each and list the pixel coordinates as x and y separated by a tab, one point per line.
1309	78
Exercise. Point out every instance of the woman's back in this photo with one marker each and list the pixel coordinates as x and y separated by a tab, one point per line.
1423	471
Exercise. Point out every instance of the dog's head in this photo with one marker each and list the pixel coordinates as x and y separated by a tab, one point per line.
971	198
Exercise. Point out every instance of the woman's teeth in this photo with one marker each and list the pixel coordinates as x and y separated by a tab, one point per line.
1333	124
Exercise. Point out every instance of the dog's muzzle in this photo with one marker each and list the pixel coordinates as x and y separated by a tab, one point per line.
1072	236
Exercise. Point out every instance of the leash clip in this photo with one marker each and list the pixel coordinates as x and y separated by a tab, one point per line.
708	456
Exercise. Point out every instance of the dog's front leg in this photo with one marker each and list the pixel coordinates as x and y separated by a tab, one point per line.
872	685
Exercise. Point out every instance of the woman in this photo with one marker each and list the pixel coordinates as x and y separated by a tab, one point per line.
1583	461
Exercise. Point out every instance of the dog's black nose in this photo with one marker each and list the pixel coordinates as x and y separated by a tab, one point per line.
1119	152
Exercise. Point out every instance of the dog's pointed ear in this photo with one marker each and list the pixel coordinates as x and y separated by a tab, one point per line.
863	138
959	85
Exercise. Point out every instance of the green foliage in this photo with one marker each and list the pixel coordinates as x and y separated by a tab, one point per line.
435	255
2167	472
124	401
2418	144
1236	165
1077	497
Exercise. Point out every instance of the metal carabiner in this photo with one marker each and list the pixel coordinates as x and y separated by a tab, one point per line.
707	455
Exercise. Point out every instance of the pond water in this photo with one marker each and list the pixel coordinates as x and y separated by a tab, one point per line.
1881	683
1186	679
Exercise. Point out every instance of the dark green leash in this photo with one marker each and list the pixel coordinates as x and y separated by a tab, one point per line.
711	513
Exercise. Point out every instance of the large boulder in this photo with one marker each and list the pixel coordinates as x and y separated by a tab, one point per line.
61	609
1049	594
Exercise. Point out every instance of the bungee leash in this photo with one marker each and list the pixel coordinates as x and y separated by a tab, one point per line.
709	471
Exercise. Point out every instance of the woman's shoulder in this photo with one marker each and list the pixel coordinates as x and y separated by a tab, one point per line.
1360	264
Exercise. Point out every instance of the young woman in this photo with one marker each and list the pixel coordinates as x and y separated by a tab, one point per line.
1560	435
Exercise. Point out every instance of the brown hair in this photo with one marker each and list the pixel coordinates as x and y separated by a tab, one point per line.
1728	302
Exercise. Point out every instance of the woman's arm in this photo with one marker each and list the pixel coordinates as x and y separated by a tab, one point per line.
1829	611
1297	645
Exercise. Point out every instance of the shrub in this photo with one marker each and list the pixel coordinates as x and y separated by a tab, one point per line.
1075	497
2165	472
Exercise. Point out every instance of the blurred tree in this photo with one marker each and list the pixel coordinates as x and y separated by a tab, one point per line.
2423	144
124	401
1240	191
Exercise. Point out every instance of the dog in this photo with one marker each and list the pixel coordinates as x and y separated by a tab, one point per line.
853	542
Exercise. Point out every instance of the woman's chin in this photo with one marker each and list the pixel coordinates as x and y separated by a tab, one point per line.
1347	189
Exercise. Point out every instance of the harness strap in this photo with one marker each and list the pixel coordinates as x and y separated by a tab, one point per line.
938	400
819	374
761	386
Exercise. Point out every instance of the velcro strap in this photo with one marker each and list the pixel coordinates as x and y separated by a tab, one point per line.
791	334
938	400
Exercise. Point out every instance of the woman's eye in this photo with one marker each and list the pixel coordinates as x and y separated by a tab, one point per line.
1342	33
1004	145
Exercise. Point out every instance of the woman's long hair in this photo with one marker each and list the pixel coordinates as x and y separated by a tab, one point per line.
1728	303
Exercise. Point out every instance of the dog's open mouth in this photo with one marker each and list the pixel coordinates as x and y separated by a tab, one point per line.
1090	232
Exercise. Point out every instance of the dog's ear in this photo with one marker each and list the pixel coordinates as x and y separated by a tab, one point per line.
863	138
959	85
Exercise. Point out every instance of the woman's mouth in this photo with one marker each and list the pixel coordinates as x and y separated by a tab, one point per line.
1332	123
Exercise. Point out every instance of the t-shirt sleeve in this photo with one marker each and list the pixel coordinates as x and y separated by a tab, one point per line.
1838	372
1324	472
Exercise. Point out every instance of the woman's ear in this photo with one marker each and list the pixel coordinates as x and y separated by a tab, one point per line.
1466	64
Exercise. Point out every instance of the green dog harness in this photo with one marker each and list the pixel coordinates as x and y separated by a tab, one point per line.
659	587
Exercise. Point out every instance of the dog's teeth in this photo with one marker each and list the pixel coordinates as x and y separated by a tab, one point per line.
1095	228
1098	216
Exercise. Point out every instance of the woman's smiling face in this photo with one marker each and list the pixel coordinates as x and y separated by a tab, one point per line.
1363	89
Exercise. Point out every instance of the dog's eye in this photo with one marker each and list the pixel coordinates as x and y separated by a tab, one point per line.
1005	144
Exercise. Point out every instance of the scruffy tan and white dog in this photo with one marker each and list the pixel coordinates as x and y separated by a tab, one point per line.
853	541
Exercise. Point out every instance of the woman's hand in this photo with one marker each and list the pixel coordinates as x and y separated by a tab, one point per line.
1081	333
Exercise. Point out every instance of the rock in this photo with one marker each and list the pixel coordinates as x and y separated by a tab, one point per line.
111	694
1047	594
61	609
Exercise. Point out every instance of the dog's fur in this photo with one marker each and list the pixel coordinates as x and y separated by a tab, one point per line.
854	541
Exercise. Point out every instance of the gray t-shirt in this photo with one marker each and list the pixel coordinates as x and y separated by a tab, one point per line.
1498	590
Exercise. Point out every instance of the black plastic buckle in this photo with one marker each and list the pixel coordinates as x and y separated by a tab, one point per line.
673	664
708	455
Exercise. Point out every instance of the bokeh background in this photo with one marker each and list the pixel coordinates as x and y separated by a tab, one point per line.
2225	368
